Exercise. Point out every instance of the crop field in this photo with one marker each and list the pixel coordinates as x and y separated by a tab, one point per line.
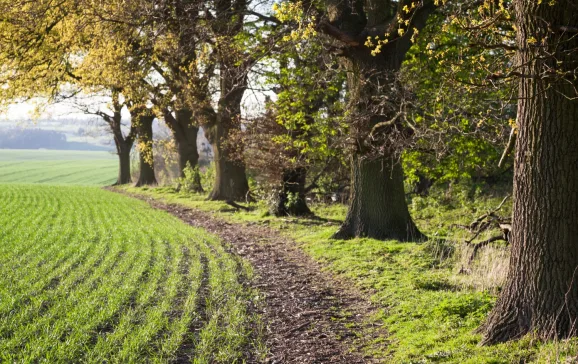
87	275
57	167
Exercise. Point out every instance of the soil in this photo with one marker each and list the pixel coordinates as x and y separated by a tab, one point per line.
309	315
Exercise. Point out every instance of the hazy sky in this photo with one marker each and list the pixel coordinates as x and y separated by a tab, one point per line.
25	111
253	104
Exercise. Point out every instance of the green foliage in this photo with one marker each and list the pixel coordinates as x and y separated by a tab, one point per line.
208	177
292	200
191	182
309	104
462	121
92	276
303	125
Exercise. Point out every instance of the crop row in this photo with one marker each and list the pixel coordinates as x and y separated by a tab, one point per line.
87	275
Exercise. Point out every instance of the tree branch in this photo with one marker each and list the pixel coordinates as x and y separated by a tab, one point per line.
271	19
336	33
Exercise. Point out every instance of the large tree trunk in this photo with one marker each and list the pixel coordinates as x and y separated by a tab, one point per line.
291	200
377	203
540	295
185	133
185	136
123	151
145	143
230	178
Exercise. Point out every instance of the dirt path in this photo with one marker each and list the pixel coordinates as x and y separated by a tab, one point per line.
309	316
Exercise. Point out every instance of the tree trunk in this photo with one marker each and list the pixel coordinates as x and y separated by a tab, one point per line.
230	178
377	203
540	295
122	143
123	150
145	142
123	147
291	200
185	136
186	139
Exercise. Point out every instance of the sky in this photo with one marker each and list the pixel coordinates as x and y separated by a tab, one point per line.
253	104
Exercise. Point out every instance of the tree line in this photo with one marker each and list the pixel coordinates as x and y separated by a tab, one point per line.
443	89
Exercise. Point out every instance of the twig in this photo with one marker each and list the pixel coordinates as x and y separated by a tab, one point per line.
482	244
509	147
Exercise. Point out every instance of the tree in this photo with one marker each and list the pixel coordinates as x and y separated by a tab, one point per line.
57	51
123	141
302	128
177	48
541	291
227	26
376	36
239	42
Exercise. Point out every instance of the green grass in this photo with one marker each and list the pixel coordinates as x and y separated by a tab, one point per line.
57	167
430	311
87	275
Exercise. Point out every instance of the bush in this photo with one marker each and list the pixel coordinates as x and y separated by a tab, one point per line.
192	181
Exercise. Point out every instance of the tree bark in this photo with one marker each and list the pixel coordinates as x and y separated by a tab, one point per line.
291	200
540	295
144	122
230	177
185	136
377	203
123	151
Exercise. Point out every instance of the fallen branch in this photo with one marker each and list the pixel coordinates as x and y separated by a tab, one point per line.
484	243
237	206
483	223
492	213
